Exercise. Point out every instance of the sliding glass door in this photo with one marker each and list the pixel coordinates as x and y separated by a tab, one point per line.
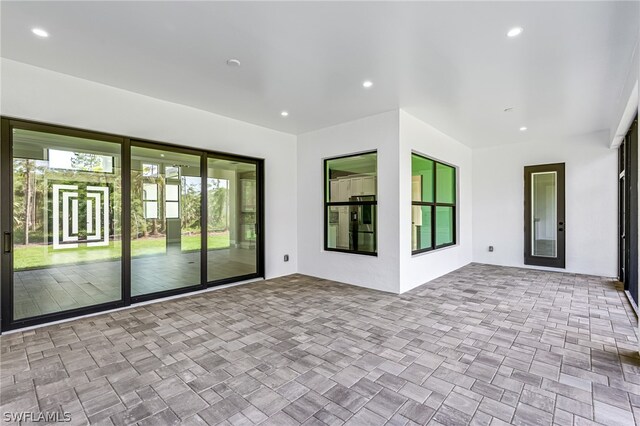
66	220
232	205
166	222
191	219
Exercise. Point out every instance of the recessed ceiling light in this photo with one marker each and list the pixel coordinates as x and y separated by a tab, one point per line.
233	62
514	32
367	84
284	113
523	129
40	32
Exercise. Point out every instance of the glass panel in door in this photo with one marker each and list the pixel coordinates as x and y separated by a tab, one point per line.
232	237
66	223
166	189
544	214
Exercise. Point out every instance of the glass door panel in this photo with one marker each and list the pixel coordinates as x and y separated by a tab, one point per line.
166	223
66	223
232	203
544	214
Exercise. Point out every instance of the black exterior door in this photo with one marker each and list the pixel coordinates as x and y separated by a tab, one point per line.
628	213
544	215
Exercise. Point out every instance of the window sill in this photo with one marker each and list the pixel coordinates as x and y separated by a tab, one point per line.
361	253
435	250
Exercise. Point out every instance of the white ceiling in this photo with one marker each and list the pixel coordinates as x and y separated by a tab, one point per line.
449	64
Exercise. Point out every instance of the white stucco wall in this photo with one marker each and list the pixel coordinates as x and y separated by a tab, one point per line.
418	136
378	132
591	202
38	94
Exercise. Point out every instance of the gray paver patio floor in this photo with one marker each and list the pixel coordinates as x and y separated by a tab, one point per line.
484	344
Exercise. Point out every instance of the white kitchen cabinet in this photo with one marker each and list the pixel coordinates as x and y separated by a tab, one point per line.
356	186
369	185
334	191
342	189
333	235
416	188
345	189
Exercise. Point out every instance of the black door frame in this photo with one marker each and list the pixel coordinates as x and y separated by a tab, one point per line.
6	220
529	258
140	143
628	214
260	224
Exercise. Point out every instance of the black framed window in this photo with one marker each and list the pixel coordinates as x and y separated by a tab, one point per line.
350	203
433	204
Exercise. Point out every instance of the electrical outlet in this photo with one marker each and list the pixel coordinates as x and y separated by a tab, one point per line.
490	248
286	257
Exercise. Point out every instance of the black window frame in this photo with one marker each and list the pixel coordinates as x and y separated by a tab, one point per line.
434	204
146	200
327	204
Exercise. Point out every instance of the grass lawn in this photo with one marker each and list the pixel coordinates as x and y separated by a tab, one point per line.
37	256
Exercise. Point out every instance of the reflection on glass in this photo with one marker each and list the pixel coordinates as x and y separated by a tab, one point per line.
544	214
352	180
66	223
421	227
444	225
165	220
149	170
232	214
422	180
362	221
445	184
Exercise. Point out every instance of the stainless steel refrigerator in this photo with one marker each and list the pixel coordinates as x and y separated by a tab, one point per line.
362	225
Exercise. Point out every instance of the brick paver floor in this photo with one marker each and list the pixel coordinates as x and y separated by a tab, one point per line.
483	345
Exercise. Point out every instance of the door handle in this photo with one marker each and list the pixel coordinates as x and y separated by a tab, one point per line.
7	243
